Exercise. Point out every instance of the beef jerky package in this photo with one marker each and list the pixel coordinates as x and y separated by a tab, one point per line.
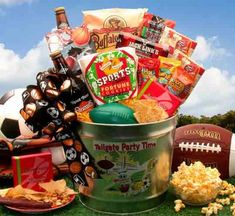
106	24
153	27
111	76
144	48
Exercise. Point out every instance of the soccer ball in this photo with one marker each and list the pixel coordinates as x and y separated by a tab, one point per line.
84	158
71	154
12	124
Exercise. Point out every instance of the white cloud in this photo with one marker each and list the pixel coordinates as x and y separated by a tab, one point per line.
208	48
16	71
12	2
213	95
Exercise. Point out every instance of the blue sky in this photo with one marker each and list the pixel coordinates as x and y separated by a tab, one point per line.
23	25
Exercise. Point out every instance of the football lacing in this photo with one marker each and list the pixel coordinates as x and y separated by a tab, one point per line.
190	146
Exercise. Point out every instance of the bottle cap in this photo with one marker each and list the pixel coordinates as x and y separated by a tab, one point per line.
59	9
55	54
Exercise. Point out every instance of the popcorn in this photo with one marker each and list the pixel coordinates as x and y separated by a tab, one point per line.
227	189
225	201
232	197
196	183
178	205
232	209
211	209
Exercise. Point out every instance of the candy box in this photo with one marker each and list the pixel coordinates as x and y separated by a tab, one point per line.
153	90
111	76
29	170
178	41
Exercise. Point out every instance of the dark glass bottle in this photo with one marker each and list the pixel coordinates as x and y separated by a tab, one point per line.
61	18
74	91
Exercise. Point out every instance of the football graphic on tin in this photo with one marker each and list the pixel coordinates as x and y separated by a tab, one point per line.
212	145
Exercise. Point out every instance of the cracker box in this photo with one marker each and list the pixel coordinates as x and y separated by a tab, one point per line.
29	170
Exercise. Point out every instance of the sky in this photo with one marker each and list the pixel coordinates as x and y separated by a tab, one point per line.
23	50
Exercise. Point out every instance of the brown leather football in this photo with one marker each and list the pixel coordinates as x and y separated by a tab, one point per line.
212	145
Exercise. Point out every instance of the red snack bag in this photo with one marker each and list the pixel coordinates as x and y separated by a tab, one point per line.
147	69
144	48
181	83
29	170
153	90
153	27
178	41
187	63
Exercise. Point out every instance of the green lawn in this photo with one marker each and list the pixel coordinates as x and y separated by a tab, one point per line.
165	209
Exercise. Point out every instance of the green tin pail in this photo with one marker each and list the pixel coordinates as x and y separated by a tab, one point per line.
134	164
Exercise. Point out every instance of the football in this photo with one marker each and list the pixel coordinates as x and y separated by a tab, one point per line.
212	145
112	113
12	124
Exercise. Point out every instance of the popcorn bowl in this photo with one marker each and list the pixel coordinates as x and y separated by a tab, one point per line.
198	198
133	164
196	187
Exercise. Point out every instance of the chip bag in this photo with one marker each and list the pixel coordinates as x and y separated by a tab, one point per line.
178	41
106	24
166	69
111	76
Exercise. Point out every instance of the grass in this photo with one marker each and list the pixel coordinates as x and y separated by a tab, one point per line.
165	209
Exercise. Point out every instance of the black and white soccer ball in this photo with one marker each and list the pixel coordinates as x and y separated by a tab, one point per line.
84	158
71	154
12	124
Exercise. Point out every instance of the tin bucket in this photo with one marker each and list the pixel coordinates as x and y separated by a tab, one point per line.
133	162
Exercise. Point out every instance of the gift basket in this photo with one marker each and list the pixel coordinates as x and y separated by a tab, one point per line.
111	101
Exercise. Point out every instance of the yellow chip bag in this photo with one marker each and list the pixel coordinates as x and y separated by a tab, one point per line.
166	69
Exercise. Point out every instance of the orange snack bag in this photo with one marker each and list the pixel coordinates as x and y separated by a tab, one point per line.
180	83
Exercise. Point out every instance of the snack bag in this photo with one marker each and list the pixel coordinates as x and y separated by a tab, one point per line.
181	83
178	41
153	27
111	76
106	24
166	69
144	48
153	90
147	69
187	63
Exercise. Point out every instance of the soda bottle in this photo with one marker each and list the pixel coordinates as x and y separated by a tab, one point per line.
74	92
61	18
